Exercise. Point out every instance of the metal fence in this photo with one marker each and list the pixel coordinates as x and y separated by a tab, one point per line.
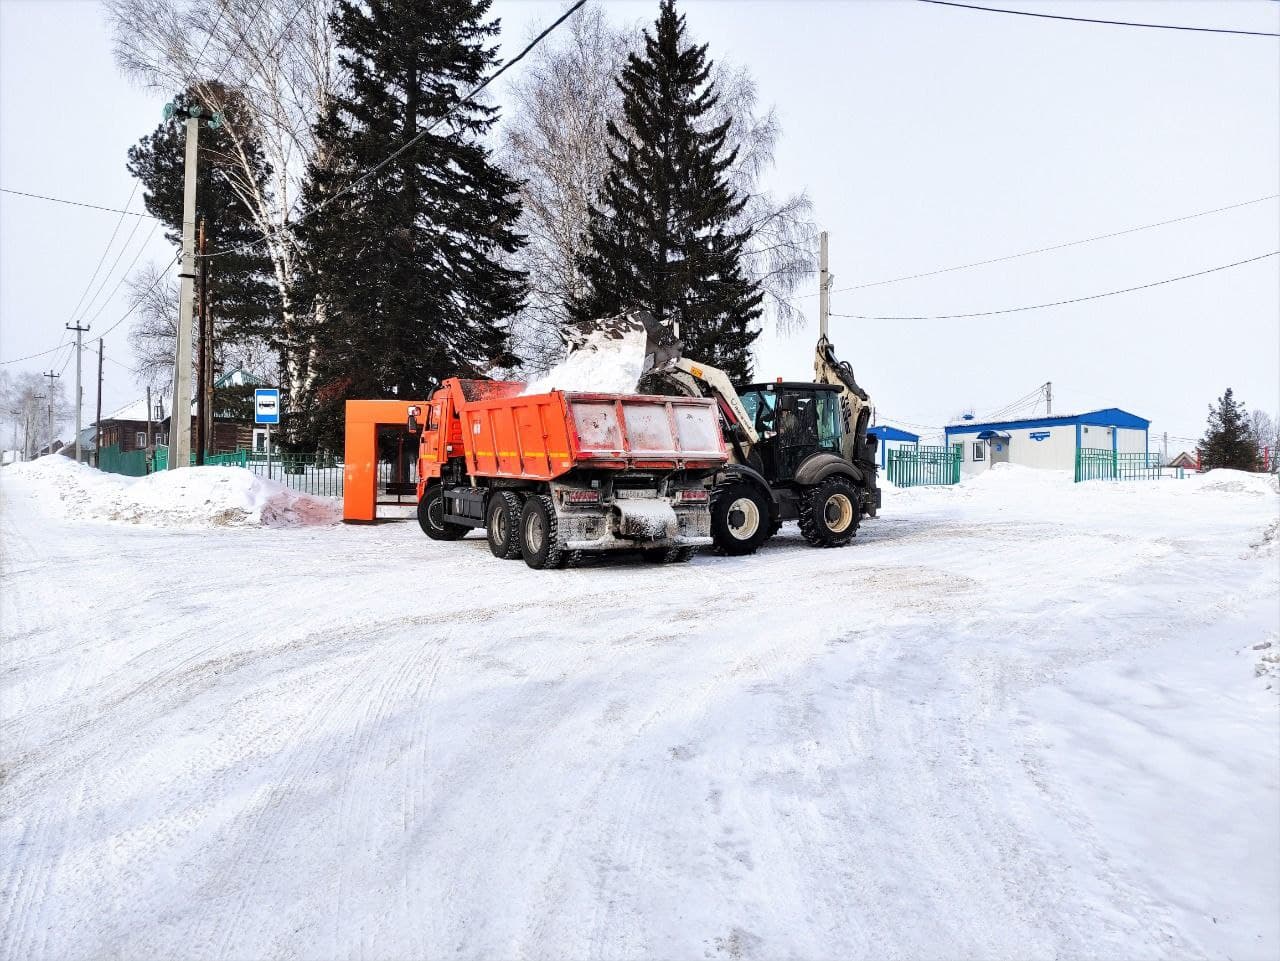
1097	464
319	474
918	466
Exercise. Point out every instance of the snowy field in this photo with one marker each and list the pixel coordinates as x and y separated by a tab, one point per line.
1018	718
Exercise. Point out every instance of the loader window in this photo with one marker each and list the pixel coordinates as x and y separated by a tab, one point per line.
760	408
828	403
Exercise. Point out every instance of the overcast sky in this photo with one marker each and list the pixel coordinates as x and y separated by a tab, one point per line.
926	137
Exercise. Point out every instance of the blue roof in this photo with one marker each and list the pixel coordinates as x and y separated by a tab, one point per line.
885	432
1106	417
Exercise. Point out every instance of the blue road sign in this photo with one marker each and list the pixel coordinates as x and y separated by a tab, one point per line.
266	405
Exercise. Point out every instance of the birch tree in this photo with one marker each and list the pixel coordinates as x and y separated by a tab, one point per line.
278	55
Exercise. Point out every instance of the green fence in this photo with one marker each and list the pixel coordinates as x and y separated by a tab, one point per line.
233	459
917	466
1097	464
319	474
113	460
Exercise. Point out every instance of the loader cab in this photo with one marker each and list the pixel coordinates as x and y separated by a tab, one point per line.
794	421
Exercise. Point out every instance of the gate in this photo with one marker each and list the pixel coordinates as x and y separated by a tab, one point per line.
1094	463
919	466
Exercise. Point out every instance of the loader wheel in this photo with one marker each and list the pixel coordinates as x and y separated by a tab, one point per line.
539	538
431	516
502	524
829	513
740	520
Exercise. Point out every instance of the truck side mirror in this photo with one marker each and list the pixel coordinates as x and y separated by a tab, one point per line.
413	426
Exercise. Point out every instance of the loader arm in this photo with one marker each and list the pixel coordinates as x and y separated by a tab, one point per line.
855	403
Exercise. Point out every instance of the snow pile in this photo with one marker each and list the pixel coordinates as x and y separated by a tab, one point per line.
607	361
194	497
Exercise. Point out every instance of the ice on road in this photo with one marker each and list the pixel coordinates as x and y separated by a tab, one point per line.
1017	718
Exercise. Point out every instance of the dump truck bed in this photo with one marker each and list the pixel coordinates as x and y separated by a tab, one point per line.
506	433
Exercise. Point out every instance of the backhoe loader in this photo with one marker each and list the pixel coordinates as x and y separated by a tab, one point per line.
798	450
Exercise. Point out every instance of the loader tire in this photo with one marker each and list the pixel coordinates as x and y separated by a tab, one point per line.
740	520
502	524
540	541
829	512
667	555
431	516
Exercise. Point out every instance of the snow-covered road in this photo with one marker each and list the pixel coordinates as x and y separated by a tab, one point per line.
1017	718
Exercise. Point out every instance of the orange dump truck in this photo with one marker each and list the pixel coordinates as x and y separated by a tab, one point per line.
550	476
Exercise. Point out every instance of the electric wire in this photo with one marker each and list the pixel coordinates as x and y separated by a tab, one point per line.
1041	250
1059	303
415	138
1114	23
74	203
107	276
155	283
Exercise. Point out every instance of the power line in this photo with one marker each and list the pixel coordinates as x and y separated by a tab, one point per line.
1113	23
1060	303
1069	243
105	250
155	283
418	136
123	276
75	203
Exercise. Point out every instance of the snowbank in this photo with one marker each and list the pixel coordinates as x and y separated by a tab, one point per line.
194	497
608	361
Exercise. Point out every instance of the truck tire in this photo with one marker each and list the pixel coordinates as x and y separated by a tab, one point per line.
502	524
829	512
539	538
740	520
667	555
431	516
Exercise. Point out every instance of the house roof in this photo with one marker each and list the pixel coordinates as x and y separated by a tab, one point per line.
1104	417
885	432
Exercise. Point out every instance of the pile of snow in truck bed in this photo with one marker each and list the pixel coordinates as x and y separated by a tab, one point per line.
194	497
608	362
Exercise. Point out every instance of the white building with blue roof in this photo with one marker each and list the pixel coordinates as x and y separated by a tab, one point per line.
1051	442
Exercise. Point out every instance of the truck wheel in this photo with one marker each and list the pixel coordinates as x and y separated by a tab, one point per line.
431	516
539	538
829	512
740	520
667	555
502	524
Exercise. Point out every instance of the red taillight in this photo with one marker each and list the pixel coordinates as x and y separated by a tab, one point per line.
582	497
696	495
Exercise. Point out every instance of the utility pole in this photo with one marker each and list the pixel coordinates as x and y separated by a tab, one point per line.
148	452
52	377
80	331
28	430
1164	446
823	303
203	347
180	417
97	421
1048	398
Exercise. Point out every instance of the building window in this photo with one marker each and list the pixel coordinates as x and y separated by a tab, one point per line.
979	450
140	438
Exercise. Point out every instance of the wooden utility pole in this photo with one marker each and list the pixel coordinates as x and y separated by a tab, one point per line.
97	420
148	419
52	377
202	350
80	332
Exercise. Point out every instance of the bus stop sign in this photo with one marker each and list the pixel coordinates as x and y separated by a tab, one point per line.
266	405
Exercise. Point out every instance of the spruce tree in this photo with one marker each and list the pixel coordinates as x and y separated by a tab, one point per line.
404	260
243	296
1228	440
659	235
